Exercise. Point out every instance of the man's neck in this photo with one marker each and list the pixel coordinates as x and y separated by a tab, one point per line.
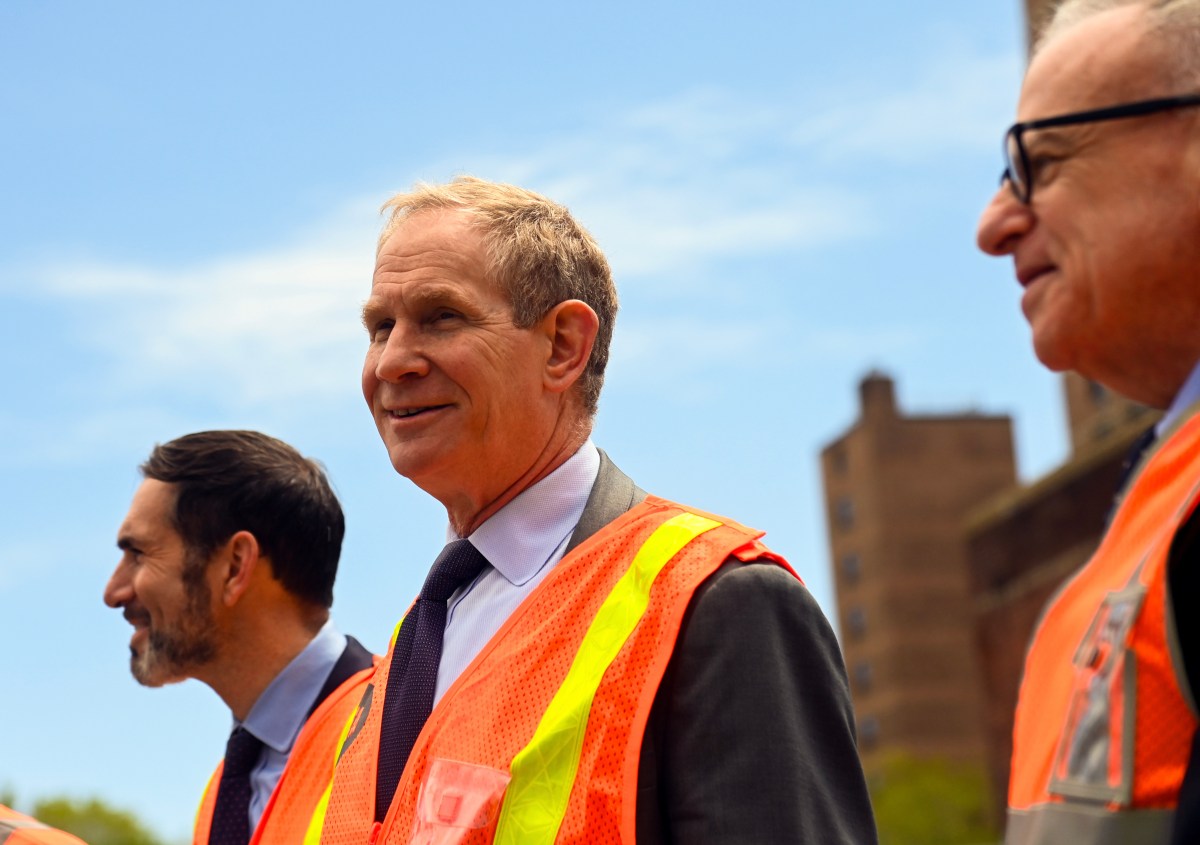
263	649
466	516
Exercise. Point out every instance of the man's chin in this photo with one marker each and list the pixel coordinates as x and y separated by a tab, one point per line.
151	673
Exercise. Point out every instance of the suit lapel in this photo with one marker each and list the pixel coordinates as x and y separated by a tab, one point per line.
613	494
354	659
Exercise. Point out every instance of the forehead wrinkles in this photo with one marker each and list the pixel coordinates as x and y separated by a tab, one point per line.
420	263
1104	59
441	242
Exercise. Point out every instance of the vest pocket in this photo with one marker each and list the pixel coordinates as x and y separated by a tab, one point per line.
456	800
1094	760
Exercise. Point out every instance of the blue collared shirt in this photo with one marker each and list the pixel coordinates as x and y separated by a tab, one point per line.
522	541
280	712
1188	395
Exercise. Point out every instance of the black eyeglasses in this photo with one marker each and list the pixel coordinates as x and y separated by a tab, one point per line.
1016	159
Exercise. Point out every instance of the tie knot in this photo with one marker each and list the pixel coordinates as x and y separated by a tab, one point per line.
241	752
458	564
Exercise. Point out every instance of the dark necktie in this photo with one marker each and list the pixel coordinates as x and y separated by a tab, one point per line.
231	817
412	677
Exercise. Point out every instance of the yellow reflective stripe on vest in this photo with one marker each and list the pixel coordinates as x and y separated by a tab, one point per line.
317	823
543	772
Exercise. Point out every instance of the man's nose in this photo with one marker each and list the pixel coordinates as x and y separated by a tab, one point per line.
402	355
119	588
1003	223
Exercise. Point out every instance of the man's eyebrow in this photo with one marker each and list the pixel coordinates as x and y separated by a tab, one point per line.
125	542
369	310
434	293
373	309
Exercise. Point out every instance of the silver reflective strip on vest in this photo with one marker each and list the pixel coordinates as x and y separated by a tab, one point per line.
10	826
1062	824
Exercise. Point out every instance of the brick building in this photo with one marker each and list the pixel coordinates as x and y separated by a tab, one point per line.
897	492
943	563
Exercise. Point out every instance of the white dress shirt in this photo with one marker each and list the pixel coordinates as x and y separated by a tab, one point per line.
522	541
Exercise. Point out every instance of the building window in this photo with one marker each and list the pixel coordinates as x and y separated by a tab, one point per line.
837	460
856	622
851	567
844	512
862	677
868	732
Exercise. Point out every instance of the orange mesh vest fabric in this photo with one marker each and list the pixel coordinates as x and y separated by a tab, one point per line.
493	709
1102	721
19	829
305	777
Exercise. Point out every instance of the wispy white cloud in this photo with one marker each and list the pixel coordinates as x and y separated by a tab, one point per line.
956	101
672	189
277	325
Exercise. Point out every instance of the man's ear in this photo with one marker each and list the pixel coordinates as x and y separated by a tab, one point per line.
240	558
571	327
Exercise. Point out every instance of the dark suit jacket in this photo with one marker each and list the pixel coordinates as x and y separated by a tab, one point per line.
354	659
751	735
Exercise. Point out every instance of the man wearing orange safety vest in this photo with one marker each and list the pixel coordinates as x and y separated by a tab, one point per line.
585	663
228	557
19	829
1099	210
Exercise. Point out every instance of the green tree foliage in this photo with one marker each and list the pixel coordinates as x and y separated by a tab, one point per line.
94	821
931	802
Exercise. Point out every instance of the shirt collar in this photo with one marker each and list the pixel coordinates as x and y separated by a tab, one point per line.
1188	395
280	712
519	538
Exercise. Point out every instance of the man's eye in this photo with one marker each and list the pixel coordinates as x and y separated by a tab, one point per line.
1042	167
380	331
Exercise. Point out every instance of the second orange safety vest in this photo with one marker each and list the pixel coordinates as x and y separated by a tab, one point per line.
305	778
538	740
1103	726
20	829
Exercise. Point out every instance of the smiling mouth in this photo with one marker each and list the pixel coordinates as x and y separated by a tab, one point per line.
409	413
1028	277
138	619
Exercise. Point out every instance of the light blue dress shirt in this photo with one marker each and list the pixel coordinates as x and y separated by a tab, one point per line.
282	709
522	541
1188	395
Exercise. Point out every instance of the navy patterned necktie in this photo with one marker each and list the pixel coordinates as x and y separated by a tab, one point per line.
412	676
231	816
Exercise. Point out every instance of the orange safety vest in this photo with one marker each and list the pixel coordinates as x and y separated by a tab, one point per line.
538	740
1104	724
19	829
305	778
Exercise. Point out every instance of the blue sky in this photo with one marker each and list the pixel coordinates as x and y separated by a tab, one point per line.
787	194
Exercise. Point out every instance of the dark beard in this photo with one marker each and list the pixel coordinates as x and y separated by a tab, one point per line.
172	655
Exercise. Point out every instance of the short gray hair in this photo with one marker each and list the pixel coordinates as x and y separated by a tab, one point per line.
1176	23
539	255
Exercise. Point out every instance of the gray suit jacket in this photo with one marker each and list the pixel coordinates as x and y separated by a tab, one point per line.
751	735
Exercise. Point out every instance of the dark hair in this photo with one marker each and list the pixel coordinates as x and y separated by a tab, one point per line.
230	481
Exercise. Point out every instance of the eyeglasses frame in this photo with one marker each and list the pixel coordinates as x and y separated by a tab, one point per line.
1118	112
